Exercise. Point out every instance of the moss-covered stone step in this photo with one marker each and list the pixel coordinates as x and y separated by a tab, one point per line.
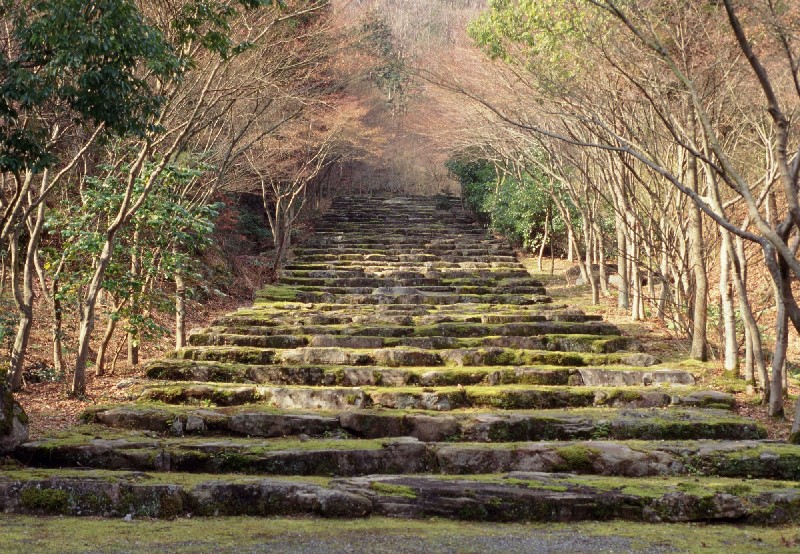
283	294
287	319
538	326
168	495
476	426
744	459
103	448
584	423
532	397
529	496
438	288
403	356
131	450
505	397
556	343
323	375
385	258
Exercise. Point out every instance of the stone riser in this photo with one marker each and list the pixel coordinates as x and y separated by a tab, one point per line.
322	240
397	357
172	370
495	285
367	259
589	344
404	299
350	458
263	325
608	424
328	272
447	291
498	397
111	494
379	250
438	289
410	264
536	326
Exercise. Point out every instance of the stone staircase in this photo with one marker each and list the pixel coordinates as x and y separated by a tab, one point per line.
406	364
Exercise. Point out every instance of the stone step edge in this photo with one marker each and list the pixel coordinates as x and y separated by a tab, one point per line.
408	455
322	375
608	423
517	496
442	399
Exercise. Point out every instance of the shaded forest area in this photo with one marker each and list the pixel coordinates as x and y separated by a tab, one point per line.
651	143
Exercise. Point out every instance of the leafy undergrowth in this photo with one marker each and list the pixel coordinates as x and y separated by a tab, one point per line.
23	534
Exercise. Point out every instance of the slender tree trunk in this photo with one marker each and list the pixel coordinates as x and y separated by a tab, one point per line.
87	315
58	330
778	358
180	310
739	276
699	349
136	274
23	293
589	269
623	298
570	244
100	361
664	296
731	363
544	237
601	260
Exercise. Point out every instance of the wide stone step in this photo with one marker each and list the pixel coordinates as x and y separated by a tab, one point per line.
556	343
503	397
323	271
403	356
95	449
536	325
120	494
378	251
516	496
471	426
420	298
531	496
421	289
325	375
389	259
102	448
381	269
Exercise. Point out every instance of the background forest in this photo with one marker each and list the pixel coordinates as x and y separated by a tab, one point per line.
653	144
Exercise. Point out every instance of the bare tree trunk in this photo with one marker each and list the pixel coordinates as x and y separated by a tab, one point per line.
752	331
570	244
23	293
180	310
778	358
100	361
545	236
87	316
728	314
592	276
136	273
58	331
699	349
601	260
662	300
